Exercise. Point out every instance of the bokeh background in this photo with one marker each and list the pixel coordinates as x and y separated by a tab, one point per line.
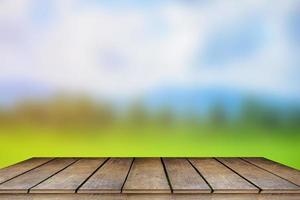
150	78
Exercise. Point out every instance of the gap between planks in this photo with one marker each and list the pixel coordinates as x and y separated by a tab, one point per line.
167	176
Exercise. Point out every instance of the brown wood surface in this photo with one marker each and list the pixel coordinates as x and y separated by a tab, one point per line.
149	178
183	177
68	180
147	175
109	178
21	167
203	196
288	173
24	182
267	182
221	178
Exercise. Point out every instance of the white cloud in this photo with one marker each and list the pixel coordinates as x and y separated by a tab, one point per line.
129	51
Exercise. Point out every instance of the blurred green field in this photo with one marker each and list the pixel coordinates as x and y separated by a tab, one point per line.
20	142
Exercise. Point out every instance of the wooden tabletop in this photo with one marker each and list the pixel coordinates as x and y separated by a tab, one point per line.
164	176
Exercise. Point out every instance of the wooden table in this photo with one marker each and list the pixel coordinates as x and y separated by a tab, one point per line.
149	178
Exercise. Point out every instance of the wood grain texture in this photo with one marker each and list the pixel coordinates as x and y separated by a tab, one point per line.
147	175
21	167
68	180
211	196
220	178
150	178
24	182
267	182
288	173
183	177
109	178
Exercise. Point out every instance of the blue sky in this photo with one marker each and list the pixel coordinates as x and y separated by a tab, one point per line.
130	48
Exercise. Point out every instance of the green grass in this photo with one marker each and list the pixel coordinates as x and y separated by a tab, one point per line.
19	142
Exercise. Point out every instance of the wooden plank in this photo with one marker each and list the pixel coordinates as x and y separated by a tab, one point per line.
146	178
183	177
147	175
210	196
24	182
221	178
68	180
21	167
288	173
267	182
109	178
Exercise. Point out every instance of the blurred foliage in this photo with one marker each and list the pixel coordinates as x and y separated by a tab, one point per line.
74	111
218	116
60	111
137	114
256	113
79	126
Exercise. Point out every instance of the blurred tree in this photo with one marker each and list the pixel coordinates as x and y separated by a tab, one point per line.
104	115
65	111
165	116
30	111
218	115
192	117
137	114
256	113
3	116
250	112
293	117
